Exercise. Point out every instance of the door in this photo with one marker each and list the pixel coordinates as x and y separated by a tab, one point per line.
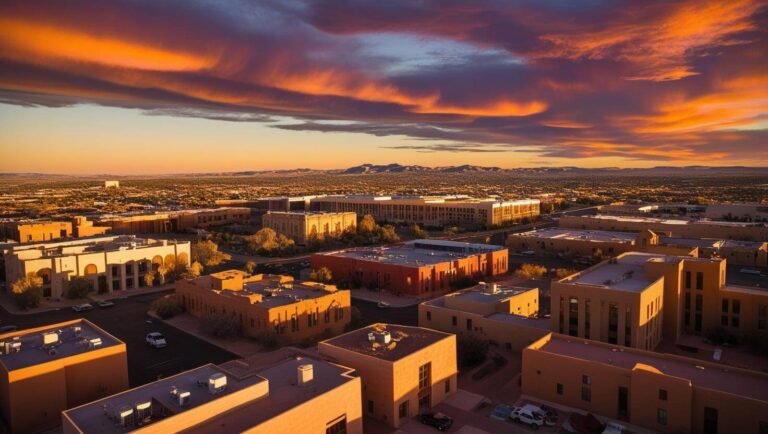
710	420
623	403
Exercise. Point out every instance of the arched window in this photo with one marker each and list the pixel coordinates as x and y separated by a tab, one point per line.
91	269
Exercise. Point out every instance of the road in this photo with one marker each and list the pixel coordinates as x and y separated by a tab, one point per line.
126	321
371	314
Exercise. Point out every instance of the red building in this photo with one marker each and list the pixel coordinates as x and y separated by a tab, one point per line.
422	268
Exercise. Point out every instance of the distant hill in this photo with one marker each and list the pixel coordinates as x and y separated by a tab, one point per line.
399	168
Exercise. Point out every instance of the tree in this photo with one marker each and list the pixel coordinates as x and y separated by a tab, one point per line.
562	273
207	253
598	253
250	267
149	278
162	271
268	242
322	274
78	287
387	234
367	224
194	270
167	307
28	291
220	325
531	271
471	350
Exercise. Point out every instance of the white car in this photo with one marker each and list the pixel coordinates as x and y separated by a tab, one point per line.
82	307
548	416
156	340
526	416
382	305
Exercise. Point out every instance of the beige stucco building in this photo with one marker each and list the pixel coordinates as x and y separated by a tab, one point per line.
295	395
403	369
32	231
48	369
502	314
111	263
175	221
293	311
303	226
659	392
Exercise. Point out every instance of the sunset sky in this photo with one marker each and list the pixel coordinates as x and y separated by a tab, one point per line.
169	86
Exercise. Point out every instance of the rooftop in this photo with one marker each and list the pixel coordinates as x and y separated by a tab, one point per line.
670	221
692	242
280	379
405	340
626	273
309	213
702	374
484	293
583	235
53	342
416	253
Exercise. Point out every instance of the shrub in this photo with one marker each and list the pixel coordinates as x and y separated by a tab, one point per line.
221	325
78	287
531	271
417	232
471	350
719	336
267	338
167	307
28	291
562	273
322	275
207	253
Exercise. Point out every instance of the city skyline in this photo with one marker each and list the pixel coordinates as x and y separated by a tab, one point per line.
227	86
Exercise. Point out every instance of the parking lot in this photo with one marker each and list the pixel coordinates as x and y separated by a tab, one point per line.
127	321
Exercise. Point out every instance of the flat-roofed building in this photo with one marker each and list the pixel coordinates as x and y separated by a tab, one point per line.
48	369
274	304
175	221
696	300
582	243
432	211
111	263
678	227
504	314
32	231
659	392
297	395
404	369
304	226
274	203
421	268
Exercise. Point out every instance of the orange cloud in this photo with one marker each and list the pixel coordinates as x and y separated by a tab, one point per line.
566	124
22	40
502	107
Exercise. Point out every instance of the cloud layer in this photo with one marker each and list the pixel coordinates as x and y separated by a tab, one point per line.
651	80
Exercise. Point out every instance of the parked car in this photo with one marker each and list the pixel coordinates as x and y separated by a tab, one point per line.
549	415
8	328
526	416
382	304
501	412
156	340
82	307
613	428
750	271
437	420
105	303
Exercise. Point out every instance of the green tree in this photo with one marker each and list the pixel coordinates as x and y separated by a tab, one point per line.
28	291
207	253
322	274
78	287
531	271
220	325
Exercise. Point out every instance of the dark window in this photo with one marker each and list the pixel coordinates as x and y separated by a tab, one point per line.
469	324
688	280
425	374
370	406
339	427
586	318
725	305
736	307
662	395
586	393
403	410
762	317
661	416
448	386
613	324
699	302
699	280
454	320
586	380
710	420
429	316
735	321
573	316
559	389
763	427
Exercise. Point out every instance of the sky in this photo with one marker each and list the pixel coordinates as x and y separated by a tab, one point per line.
146	86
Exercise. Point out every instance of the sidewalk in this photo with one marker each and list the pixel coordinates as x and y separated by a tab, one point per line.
377	296
240	346
7	302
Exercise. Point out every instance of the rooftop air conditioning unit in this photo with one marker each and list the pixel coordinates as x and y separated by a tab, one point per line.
94	342
305	374
143	410
383	337
125	416
182	396
217	383
51	338
77	330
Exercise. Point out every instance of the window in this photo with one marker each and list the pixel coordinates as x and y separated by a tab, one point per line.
662	395
454	321
586	318
736	307
613	324
628	327
370	406
661	416
469	324
586	380
586	393
699	280
688	280
447	386
429	316
762	317
338	427
425	374
725	305
559	389
573	316
403	410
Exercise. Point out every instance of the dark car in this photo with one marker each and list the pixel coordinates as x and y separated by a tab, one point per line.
437	420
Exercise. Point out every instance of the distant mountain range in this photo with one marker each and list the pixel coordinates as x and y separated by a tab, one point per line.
371	169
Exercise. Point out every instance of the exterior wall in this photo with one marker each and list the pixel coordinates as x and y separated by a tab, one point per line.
332	312
33	232
302	227
34	397
756	257
692	230
425	281
645	308
178	221
389	383
542	371
435	213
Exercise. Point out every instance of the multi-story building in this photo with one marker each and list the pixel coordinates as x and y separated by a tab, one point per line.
296	395
32	231
659	392
745	212
503	314
276	203
432	211
46	370
404	370
175	221
303	226
421	268
637	299
726	230
111	263
293	311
